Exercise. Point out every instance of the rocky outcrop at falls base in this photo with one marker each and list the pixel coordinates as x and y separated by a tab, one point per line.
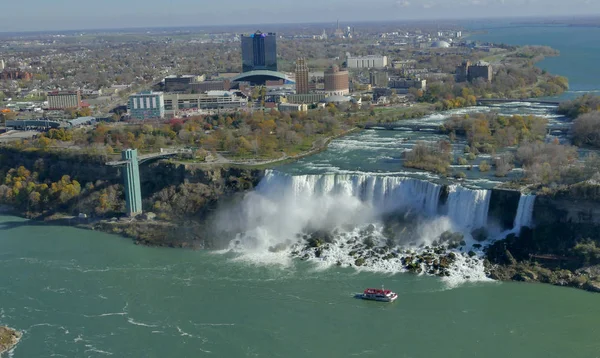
562	249
368	249
585	278
8	339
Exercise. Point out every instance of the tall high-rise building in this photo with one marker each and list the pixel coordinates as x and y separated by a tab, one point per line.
2	65
259	51
301	76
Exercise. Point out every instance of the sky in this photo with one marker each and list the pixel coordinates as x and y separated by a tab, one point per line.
42	15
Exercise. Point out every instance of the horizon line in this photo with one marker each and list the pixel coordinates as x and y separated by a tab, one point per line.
423	20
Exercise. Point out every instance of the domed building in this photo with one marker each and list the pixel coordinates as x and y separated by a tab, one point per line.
440	44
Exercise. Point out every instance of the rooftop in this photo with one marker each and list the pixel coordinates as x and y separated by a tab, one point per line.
337	99
145	93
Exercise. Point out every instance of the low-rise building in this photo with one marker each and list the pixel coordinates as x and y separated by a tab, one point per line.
292	107
371	61
402	85
82	121
180	83
379	79
64	99
175	102
205	86
305	98
146	105
469	72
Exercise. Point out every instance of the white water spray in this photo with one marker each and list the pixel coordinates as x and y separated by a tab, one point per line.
271	221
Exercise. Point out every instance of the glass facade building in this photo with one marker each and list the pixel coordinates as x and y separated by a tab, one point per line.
259	52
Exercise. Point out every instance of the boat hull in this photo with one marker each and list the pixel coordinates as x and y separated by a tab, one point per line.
378	299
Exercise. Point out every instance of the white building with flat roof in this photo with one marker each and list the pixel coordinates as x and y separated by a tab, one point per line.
371	61
179	102
292	107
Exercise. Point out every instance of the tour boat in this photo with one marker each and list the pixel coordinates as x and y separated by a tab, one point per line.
375	294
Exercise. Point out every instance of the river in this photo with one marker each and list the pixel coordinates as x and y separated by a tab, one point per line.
78	293
86	294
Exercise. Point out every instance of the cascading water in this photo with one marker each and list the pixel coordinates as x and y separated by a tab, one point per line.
383	193
284	216
468	208
524	216
284	205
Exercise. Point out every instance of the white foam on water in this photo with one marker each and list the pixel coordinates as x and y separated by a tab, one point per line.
91	348
107	314
466	269
134	322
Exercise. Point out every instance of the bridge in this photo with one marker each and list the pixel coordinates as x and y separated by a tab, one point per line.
146	157
483	101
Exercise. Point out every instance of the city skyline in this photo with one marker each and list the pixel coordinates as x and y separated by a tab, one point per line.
74	15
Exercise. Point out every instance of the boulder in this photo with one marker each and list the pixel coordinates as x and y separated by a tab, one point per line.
525	276
480	234
591	271
148	216
8	339
314	242
277	248
593	286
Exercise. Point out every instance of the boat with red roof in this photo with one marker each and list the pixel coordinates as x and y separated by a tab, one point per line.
382	295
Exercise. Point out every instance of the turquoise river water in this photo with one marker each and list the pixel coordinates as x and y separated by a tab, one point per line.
85	294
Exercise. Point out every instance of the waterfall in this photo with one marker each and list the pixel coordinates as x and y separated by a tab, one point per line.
524	212
383	193
283	206
468	208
